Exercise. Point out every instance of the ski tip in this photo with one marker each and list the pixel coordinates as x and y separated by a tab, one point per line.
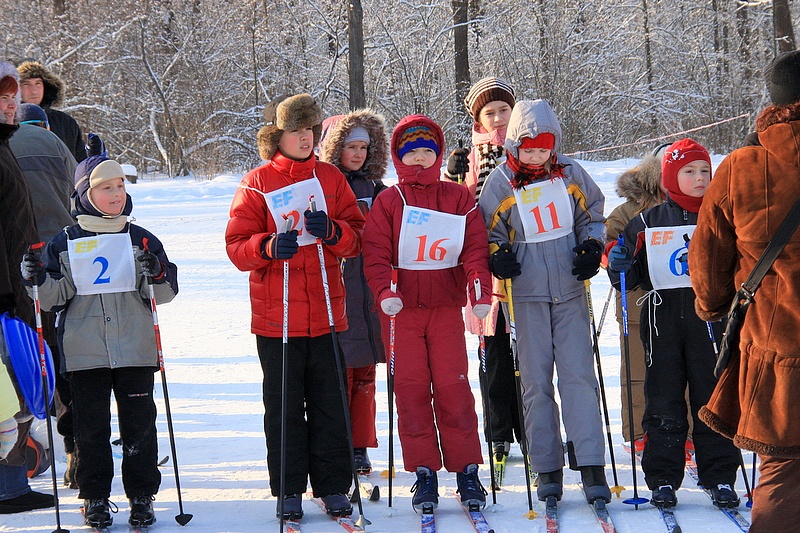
375	495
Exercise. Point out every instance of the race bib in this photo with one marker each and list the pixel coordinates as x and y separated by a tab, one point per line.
430	240
667	251
545	209
291	202
102	264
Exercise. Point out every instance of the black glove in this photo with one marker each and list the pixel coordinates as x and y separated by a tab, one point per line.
32	269
280	246
151	266
319	225
95	146
458	163
587	259
504	264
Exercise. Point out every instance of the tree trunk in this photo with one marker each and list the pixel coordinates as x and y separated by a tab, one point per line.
59	7
355	36
782	22
460	31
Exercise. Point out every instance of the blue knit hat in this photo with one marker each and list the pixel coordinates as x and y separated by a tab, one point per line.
417	137
33	114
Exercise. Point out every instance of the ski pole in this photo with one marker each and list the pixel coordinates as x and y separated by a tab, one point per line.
36	250
362	521
284	379
605	309
512	326
485	379
636	501
390	387
182	518
752	483
617	488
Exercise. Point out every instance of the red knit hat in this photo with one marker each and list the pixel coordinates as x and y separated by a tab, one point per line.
543	140
678	155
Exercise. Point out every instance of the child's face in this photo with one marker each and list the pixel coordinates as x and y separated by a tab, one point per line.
693	178
534	156
297	144
425	157
109	197
494	115
353	155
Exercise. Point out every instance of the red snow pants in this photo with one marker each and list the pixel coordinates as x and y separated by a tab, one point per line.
435	408
361	388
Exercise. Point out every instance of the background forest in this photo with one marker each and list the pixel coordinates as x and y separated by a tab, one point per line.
178	86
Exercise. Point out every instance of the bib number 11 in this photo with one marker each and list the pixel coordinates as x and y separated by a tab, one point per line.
537	214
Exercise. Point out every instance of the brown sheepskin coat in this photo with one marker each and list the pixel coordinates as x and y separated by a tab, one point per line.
756	400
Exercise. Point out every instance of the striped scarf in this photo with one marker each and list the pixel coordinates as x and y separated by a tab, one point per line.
488	154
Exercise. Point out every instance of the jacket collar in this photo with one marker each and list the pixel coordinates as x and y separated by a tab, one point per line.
296	170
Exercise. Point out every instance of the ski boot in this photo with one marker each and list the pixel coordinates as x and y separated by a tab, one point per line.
69	473
337	505
550	484
363	466
292	507
426	490
97	512
473	495
724	496
142	514
664	496
595	485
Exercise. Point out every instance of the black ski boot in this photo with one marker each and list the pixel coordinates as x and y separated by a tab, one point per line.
664	496
724	496
473	495
363	466
501	450
550	484
97	512
426	490
337	505
595	485
292	507
142	513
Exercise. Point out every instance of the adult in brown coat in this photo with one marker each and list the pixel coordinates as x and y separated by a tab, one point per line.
756	399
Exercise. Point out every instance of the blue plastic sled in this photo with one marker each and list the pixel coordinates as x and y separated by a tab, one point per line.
23	347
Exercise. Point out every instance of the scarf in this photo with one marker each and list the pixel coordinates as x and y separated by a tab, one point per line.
526	174
488	154
97	224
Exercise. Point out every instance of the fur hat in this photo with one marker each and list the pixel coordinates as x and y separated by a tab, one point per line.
783	78
288	113
488	90
641	183
8	70
53	85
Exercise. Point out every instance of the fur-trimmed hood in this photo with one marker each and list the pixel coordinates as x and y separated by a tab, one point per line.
333	139
640	184
53	84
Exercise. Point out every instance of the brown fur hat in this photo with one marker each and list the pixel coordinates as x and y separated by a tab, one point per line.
330	149
53	85
640	184
288	113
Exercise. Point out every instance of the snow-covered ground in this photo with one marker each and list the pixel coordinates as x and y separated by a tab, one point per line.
215	398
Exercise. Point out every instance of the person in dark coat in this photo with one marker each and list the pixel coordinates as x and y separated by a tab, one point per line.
17	232
356	143
40	86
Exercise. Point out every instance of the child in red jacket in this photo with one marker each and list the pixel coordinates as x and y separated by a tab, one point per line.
433	234
317	444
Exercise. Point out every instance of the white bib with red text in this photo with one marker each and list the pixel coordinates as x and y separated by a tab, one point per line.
546	210
666	256
291	202
430	240
102	264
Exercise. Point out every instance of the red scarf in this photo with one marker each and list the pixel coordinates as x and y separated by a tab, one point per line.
526	174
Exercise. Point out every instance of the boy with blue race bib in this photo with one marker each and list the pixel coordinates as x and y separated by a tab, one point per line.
94	275
431	232
546	227
679	347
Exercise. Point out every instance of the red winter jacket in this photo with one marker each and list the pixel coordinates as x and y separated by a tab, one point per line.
422	188
251	223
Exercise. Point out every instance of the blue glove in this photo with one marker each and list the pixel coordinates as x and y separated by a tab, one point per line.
280	246
618	259
319	225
